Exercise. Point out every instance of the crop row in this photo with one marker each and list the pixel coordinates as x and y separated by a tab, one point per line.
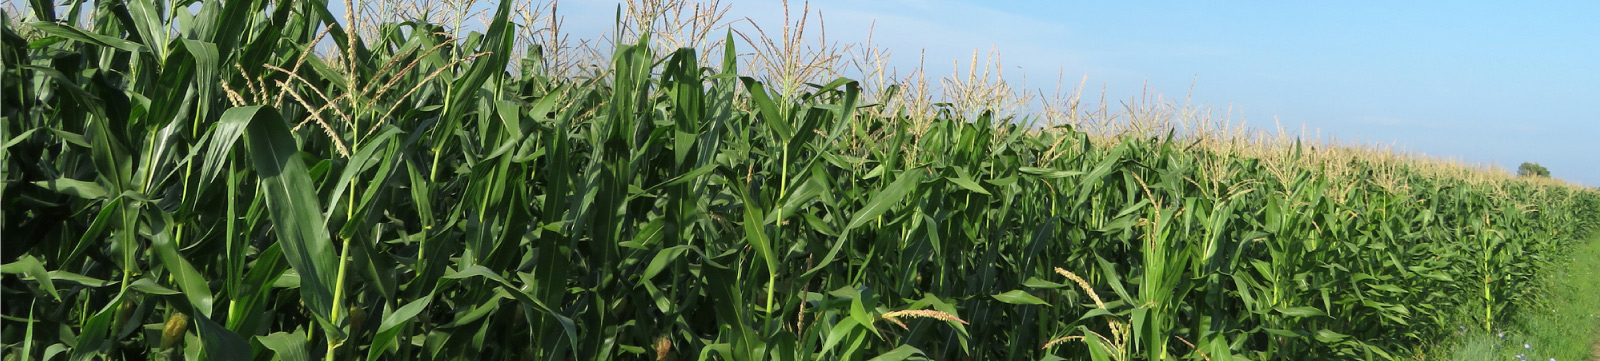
208	184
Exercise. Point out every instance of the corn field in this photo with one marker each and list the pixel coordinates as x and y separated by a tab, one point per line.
197	180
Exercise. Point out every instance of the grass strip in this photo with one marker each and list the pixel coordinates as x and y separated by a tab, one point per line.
1561	324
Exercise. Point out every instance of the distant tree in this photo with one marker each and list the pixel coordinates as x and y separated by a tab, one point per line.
1531	169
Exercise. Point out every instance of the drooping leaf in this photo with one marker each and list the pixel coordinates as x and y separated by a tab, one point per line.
890	196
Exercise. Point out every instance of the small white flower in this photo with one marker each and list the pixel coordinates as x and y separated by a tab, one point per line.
1527	346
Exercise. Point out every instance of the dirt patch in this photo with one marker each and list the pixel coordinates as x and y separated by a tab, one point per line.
1594	351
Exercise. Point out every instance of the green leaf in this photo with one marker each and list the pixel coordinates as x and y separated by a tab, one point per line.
755	234
1096	312
287	346
660	262
497	43
87	37
1099	348
1035	282
224	135
221	343
1389	288
150	287
888	197
1327	336
898	353
81	280
859	309
1048	173
31	266
1300	311
968	184
812	187
391	326
73	187
767	110
845	327
365	157
1019	297
1281	332
189	279
517	293
93	335
293	208
146	19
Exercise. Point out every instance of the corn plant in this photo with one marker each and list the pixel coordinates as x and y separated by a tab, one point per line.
256	180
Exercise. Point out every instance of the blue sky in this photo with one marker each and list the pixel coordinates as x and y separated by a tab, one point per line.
1484	82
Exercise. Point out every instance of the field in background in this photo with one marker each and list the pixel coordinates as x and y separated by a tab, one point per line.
249	181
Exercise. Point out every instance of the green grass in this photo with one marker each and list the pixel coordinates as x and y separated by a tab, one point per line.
1562	323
